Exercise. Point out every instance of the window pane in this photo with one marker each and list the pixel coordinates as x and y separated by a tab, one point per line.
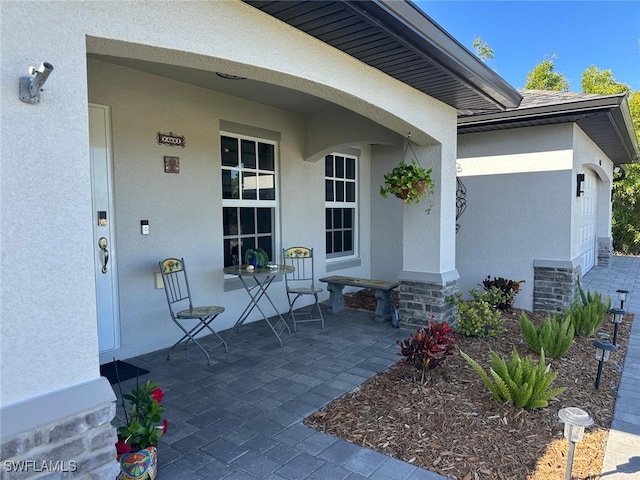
337	241
351	192
248	154
328	217
265	244
229	147
230	184
247	243
249	190
339	191
266	187
266	156
348	241
348	217
328	166
265	224
247	221
328	242
351	168
337	218
328	190
339	167
230	221
232	252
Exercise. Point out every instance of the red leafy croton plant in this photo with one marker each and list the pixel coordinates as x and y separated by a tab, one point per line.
145	424
429	347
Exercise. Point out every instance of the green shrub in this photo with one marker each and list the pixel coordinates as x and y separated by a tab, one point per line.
478	317
554	335
505	289
520	382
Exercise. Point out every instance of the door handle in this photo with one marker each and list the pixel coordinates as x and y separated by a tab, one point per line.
102	243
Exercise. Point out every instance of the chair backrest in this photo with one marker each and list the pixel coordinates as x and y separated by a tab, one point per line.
176	284
301	258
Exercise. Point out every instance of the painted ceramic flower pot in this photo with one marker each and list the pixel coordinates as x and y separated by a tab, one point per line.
140	465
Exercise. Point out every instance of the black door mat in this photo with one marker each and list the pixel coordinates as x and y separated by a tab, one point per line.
125	371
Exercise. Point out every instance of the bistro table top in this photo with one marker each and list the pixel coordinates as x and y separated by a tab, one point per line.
241	270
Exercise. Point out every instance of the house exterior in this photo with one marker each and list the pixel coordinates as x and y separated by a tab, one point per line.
539	182
185	129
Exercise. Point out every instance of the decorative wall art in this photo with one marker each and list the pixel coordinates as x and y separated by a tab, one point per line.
171	164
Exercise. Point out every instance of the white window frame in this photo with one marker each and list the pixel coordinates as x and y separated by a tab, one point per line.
333	257
255	203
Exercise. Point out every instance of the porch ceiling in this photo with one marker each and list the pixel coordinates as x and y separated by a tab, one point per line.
397	38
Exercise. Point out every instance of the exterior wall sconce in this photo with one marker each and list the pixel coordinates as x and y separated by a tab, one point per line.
623	295
575	420
602	355
31	86
580	179
616	317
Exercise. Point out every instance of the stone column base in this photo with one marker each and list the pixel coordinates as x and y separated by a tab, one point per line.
555	284
422	296
64	434
605	251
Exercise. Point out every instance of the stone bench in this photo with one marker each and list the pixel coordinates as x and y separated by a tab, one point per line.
335	284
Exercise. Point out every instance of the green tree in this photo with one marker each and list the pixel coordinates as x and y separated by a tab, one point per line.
542	77
599	81
483	51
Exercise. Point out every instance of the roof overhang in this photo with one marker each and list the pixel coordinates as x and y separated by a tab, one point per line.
605	119
399	39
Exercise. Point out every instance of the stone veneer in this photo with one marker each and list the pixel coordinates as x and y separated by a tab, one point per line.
80	445
605	251
555	285
419	300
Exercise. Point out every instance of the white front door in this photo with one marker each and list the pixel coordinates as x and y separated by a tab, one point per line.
587	232
103	227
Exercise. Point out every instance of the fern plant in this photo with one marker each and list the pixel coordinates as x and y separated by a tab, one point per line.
519	382
554	335
585	318
601	305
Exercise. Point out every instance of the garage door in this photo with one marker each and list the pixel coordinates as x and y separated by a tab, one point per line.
587	224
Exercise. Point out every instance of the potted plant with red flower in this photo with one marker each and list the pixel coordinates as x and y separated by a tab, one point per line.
138	439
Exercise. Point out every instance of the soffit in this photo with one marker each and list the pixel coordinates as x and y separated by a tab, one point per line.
398	39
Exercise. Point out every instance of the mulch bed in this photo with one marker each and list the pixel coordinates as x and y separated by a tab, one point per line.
453	426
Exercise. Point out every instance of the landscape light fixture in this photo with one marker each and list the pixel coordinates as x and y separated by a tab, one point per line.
575	420
616	317
602	355
623	295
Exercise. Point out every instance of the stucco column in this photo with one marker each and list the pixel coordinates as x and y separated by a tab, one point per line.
429	274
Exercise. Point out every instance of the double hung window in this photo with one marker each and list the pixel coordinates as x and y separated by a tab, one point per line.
249	206
341	205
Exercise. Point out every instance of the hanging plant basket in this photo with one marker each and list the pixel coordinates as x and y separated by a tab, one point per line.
408	181
418	189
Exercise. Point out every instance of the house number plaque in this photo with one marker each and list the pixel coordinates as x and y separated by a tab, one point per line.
171	139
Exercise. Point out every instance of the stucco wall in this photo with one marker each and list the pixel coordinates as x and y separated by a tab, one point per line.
519	200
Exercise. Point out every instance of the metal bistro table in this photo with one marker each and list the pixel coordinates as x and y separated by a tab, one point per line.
256	282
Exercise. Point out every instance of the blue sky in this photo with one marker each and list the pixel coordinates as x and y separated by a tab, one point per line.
523	33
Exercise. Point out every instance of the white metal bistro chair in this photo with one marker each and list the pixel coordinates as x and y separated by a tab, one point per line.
301	283
176	286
